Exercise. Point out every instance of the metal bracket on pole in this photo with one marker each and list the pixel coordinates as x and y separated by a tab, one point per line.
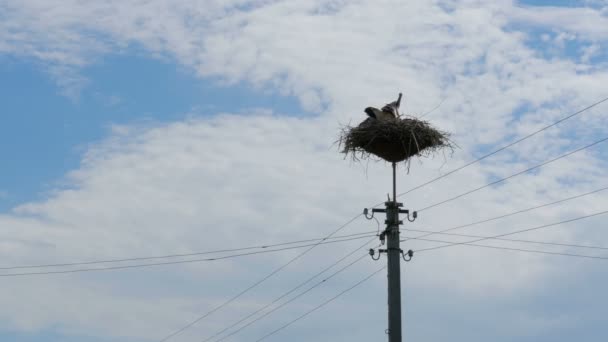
394	254
410	255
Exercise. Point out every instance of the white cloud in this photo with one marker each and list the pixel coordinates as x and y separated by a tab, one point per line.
246	179
587	23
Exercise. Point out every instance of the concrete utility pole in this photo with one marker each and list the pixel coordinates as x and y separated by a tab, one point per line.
394	254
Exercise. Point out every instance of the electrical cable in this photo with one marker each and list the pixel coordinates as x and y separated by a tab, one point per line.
519	249
501	148
295	297
277	270
516	232
173	262
514	175
515	212
434	108
285	294
178	255
321	305
509	240
299	241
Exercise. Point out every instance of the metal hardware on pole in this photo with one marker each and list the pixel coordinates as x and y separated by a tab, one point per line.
394	254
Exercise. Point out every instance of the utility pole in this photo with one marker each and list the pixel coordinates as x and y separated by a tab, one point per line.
394	254
386	135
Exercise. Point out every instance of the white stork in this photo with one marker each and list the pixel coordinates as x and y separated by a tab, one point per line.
388	112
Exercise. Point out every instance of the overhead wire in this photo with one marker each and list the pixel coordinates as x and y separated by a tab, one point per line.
429	233
528	136
179	255
432	110
295	297
519	249
514	175
508	240
468	243
257	283
285	294
514	232
255	247
173	262
321	305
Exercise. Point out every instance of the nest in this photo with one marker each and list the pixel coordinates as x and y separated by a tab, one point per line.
393	140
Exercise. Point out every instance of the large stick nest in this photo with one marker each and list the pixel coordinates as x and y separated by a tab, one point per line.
393	140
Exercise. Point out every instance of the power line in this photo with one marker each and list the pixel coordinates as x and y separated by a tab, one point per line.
173	262
295	297
321	305
519	249
516	232
502	148
283	296
277	270
498	237
515	212
515	174
509	240
512	213
179	255
265	246
432	110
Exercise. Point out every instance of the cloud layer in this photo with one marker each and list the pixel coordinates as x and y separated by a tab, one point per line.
237	180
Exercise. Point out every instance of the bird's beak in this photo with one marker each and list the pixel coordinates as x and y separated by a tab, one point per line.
399	100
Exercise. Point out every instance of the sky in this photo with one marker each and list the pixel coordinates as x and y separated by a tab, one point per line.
148	128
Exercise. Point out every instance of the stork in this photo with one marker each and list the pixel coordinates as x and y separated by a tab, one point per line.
388	112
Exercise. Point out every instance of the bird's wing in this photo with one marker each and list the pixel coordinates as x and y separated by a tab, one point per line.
372	112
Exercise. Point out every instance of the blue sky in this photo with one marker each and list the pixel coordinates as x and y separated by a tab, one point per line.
197	162
122	89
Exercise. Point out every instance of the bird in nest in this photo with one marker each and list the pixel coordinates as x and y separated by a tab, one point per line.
388	112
